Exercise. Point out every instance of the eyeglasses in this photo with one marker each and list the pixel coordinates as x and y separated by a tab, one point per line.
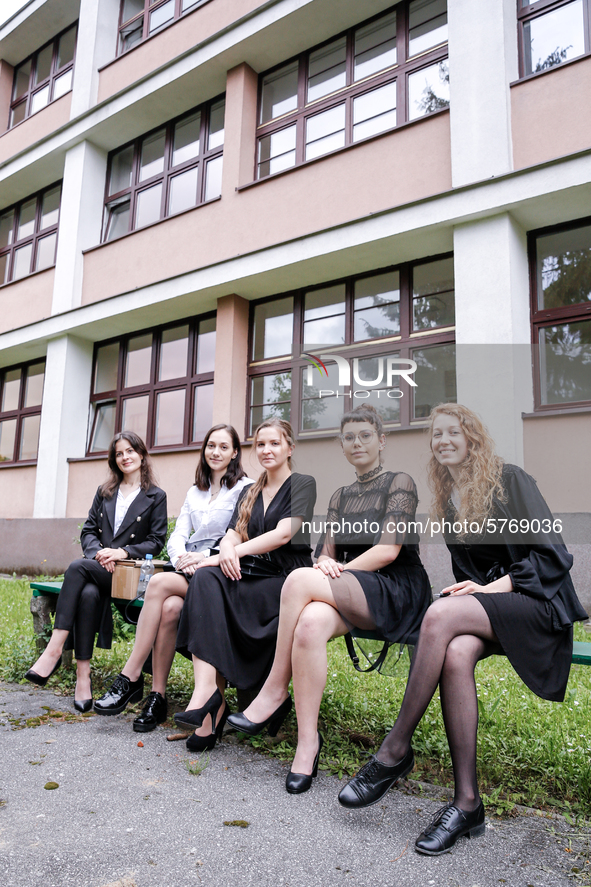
363	437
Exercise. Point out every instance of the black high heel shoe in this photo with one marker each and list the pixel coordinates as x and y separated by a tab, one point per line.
84	705
39	679
206	743
240	722
195	716
296	783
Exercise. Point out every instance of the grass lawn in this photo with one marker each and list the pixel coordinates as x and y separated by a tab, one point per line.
530	751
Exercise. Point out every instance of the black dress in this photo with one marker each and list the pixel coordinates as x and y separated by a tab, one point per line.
534	623
380	511
232	624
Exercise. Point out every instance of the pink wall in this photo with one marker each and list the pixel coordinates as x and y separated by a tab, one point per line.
550	114
17	491
36	127
27	300
556	447
6	78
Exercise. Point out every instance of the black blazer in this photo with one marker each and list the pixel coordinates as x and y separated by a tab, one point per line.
142	532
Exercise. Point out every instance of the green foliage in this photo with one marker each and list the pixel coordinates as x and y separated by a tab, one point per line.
163	556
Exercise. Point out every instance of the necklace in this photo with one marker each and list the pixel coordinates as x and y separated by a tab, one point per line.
368	474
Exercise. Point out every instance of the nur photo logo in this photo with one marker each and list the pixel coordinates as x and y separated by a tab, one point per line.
388	369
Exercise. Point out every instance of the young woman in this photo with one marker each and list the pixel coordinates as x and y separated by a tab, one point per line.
203	520
371	581
127	519
513	594
229	619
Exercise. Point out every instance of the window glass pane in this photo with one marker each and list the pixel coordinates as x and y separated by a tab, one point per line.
6	228
45	252
564	268
17	114
43	66
4	266
374	112
325	132
387	404
62	84
433	295
273	329
428	90
326	69
186	139
131	34
565	362
217	115
50	207
117	219
26	219
7	437
21	80
66	48
121	170
271	396
183	191
206	346
40	99
107	364
174	349
11	390
375	47
152	160
279	92
170	418
34	385
104	428
435	378
427	25
29	438
321	412
131	8
324	316
213	178
202	411
135	415
22	261
277	151
149	203
162	15
139	361
376	307
554	38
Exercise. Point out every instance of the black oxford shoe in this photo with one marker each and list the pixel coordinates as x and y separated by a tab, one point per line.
122	693
449	824
373	781
153	713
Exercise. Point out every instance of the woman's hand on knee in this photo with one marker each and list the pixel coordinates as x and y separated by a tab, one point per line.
108	557
329	567
467	587
189	559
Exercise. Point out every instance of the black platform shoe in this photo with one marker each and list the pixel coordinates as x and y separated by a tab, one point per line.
206	743
449	824
39	679
373	781
240	722
120	695
153	713
296	783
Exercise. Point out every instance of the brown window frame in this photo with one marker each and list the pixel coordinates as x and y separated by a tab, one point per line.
403	344
54	73
21	412
143	18
398	73
547	317
537	8
189	382
204	157
33	238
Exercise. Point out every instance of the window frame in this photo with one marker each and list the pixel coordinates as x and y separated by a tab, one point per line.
189	382
403	344
21	412
150	6
399	73
34	238
54	74
536	9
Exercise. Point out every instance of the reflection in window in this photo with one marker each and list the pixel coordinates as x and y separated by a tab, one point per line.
270	397
374	112
44	77
554	37
206	346
325	132
277	151
29	437
279	92
377	306
202	411
565	363
7	439
170	417
135	415
320	412
427	25
370	373
428	90
273	329
139	361
433	295
21	394
375	47
435	378
324	316
28	235
106	368
564	268
104	427
326	69
174	350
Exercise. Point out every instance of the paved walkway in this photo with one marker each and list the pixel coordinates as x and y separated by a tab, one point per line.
136	817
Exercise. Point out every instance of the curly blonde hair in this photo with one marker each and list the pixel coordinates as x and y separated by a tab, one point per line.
480	479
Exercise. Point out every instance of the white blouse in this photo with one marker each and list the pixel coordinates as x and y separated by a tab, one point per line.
201	519
122	507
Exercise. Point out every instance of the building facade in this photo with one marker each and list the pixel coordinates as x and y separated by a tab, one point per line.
196	195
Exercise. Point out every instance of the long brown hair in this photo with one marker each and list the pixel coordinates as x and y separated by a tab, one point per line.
234	471
480	479
116	475
249	499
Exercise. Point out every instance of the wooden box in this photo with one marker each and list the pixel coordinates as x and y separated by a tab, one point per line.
127	576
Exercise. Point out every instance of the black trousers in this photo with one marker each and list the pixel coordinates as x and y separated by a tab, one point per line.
85	594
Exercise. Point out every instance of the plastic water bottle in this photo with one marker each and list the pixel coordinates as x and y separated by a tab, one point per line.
146	573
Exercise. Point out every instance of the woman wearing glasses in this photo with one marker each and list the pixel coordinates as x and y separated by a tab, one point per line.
372	580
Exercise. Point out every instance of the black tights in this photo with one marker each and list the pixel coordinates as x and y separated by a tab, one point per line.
456	633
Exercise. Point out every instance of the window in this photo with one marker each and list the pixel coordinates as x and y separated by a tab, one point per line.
404	313
21	394
157	383
370	79
173	168
552	32
28	234
44	77
139	19
560	262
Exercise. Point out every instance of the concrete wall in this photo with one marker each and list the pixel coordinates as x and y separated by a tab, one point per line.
26	300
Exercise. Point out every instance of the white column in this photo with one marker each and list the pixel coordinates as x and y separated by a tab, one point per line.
64	419
482	63
96	45
493	337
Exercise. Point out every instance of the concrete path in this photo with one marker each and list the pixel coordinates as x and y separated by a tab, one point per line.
136	817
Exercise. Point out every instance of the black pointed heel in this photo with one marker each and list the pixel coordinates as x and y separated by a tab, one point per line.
206	743
84	705
296	783
272	724
39	679
195	716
